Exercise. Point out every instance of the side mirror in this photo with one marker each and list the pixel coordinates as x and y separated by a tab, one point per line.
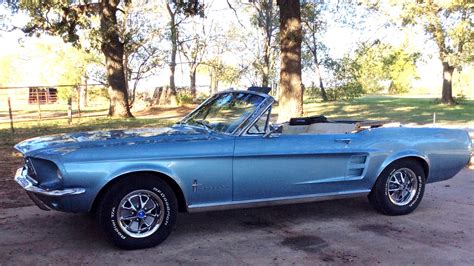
273	130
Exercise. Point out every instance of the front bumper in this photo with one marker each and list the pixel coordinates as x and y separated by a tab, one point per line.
34	190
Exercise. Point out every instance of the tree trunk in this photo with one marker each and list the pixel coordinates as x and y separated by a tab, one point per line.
164	96
174	48
266	64
171	98
291	89
447	95
192	84
113	48
214	82
266	71
157	95
324	95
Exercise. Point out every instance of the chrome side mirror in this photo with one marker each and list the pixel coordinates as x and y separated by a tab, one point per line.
273	129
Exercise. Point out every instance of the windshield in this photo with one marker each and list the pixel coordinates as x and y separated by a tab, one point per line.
225	112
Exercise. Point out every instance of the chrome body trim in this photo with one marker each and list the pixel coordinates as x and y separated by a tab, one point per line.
275	201
25	182
255	120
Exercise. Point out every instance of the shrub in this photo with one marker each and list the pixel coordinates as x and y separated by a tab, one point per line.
184	98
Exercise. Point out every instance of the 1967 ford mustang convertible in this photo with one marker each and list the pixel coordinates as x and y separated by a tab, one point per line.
226	154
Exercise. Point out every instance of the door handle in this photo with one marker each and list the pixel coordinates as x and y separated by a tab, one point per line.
346	141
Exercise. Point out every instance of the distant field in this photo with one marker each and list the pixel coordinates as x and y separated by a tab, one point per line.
401	109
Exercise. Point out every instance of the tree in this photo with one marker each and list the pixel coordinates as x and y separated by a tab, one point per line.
176	17
450	25
193	46
173	36
266	19
219	71
315	50
72	20
143	37
378	66
291	88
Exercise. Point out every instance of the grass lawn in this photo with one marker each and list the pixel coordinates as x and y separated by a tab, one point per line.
401	109
24	130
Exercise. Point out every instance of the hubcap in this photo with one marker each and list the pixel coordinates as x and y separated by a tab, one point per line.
140	213
402	186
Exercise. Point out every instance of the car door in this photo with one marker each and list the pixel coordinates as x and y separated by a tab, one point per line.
294	165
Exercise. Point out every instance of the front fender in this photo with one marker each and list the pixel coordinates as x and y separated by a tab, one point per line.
157	169
128	169
95	176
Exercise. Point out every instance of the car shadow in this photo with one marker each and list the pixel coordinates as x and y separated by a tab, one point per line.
84	229
268	217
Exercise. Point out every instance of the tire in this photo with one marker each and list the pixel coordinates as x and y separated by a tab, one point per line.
390	198
151	203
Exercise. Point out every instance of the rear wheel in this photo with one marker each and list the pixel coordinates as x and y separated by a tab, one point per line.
399	188
138	212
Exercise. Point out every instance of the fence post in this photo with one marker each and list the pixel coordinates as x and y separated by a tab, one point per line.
78	92
69	110
11	116
39	103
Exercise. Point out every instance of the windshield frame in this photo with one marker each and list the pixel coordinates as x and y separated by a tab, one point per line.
259	110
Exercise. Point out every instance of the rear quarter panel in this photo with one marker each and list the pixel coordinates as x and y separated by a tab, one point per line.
446	151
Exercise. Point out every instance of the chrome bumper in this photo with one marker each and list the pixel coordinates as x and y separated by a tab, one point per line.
29	185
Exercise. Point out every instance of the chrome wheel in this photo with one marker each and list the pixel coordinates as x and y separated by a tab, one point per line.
140	213
402	186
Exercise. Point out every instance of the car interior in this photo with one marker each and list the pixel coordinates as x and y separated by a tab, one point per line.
321	125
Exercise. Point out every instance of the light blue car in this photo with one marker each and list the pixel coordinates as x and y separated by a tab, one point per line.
226	154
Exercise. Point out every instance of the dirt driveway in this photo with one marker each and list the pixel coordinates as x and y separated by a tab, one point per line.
441	231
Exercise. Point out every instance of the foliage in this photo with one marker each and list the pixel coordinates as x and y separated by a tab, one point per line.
97	93
265	18
193	40
54	63
227	73
464	82
344	83
314	53
450	25
184	97
100	25
375	68
222	46
143	35
380	62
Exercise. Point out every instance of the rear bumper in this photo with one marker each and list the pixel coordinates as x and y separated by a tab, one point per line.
45	199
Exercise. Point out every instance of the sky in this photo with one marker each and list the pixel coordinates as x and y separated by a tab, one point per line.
339	38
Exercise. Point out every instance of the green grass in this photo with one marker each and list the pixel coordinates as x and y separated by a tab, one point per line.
404	110
400	109
24	130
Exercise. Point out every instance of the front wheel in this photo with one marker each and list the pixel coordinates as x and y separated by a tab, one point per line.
399	188
138	212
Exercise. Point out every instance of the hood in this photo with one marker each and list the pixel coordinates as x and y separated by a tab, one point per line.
64	143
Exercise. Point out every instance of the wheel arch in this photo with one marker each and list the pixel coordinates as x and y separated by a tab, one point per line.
421	159
182	204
